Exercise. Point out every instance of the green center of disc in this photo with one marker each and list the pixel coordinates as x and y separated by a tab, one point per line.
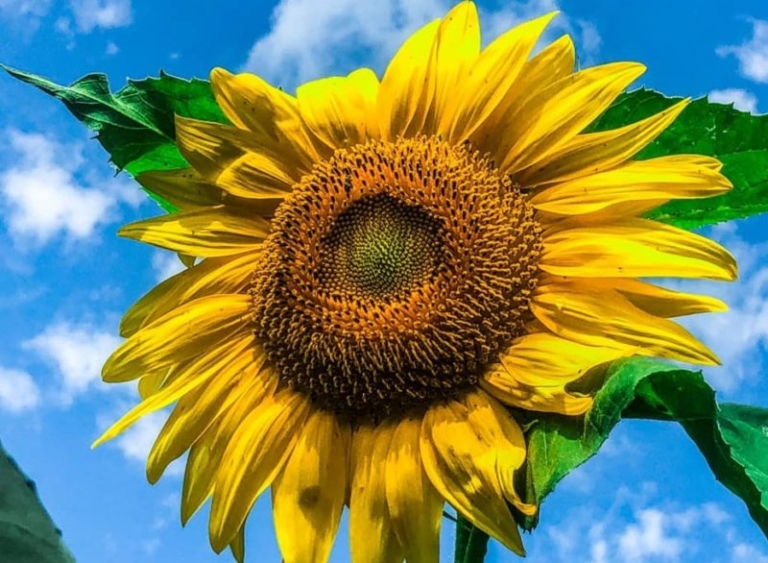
380	247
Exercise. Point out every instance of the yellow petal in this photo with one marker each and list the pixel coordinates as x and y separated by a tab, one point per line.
499	383
206	233
150	384
469	453
493	75
341	111
235	161
371	536
608	319
458	45
308	495
553	63
551	118
658	301
256	453
184	333
635	248
184	188
271	115
237	545
546	360
211	276
667	177
415	506
594	152
407	89
206	454
214	363
196	412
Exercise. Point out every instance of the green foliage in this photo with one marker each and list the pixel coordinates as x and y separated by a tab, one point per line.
27	534
739	140
732	438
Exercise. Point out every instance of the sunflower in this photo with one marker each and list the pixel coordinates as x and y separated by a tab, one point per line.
385	274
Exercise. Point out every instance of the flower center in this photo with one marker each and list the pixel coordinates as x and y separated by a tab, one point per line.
393	274
380	247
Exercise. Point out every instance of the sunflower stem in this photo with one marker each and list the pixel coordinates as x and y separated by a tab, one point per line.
471	544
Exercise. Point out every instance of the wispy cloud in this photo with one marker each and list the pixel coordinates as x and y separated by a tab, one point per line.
104	14
25	8
751	54
77	352
45	191
741	99
18	391
339	35
165	264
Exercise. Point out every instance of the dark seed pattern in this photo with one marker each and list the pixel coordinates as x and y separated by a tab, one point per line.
393	274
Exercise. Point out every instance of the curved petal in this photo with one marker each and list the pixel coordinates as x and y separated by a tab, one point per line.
554	116
470	451
493	75
663	178
220	363
271	115
590	153
182	334
553	63
371	536
609	319
237	545
205	233
256	453
546	360
499	383
458	45
308	495
196	412
206	454
341	111
212	276
184	188
407	89
234	161
658	301
415	506
635	248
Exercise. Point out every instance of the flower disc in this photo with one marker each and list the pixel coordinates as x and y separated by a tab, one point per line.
392	275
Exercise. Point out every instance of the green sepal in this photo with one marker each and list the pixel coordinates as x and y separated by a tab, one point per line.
732	438
738	139
136	124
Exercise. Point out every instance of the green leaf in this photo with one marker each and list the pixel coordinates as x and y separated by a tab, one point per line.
732	438
27	534
471	545
738	139
136	124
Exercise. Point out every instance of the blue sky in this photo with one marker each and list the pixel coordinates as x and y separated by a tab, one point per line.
65	277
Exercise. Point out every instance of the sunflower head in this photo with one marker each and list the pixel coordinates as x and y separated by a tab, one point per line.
389	272
392	275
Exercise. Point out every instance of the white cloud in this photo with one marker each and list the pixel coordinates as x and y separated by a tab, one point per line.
104	14
336	36
111	49
650	537
753	54
22	8
741	99
18	391
166	264
43	192
738	335
633	530
77	351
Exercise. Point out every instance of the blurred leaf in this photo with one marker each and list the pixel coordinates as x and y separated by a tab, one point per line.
27	534
732	438
738	139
